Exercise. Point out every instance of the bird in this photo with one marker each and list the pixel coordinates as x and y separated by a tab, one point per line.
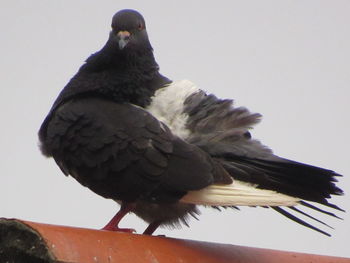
162	148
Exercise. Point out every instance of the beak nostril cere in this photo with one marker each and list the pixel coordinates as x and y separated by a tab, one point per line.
123	38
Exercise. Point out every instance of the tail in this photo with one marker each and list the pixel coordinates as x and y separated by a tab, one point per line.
300	180
275	184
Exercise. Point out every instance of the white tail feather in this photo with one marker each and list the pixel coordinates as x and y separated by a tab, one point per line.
238	194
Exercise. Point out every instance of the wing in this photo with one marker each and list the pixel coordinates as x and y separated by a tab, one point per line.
222	130
260	177
122	152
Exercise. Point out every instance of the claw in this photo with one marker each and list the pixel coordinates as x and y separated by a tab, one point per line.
118	229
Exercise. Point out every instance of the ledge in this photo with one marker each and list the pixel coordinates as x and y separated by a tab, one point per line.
29	242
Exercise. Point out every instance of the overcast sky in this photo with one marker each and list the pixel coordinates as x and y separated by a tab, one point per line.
288	60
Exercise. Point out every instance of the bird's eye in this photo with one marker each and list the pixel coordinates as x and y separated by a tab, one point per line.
140	26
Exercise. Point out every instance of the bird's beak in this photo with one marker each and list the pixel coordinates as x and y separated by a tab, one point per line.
123	38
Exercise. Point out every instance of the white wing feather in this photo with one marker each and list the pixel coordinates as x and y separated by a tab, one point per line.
168	104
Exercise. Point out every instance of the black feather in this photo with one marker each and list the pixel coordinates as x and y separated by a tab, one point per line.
309	216
284	176
298	220
321	210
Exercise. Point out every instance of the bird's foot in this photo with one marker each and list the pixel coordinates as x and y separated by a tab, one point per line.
151	228
113	224
118	229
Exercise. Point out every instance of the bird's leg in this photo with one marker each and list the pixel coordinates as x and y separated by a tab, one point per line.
113	224
151	228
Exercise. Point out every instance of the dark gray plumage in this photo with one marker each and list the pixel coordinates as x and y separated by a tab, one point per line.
130	134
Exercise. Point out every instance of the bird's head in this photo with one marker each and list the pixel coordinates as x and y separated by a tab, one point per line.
129	31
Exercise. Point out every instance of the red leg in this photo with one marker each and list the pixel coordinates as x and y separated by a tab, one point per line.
113	224
151	228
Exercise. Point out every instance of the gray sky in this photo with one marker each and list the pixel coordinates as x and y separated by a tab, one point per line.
288	60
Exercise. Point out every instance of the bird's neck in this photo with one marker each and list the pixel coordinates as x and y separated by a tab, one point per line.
109	59
123	78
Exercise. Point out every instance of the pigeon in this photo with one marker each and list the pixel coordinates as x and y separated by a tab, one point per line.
161	148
